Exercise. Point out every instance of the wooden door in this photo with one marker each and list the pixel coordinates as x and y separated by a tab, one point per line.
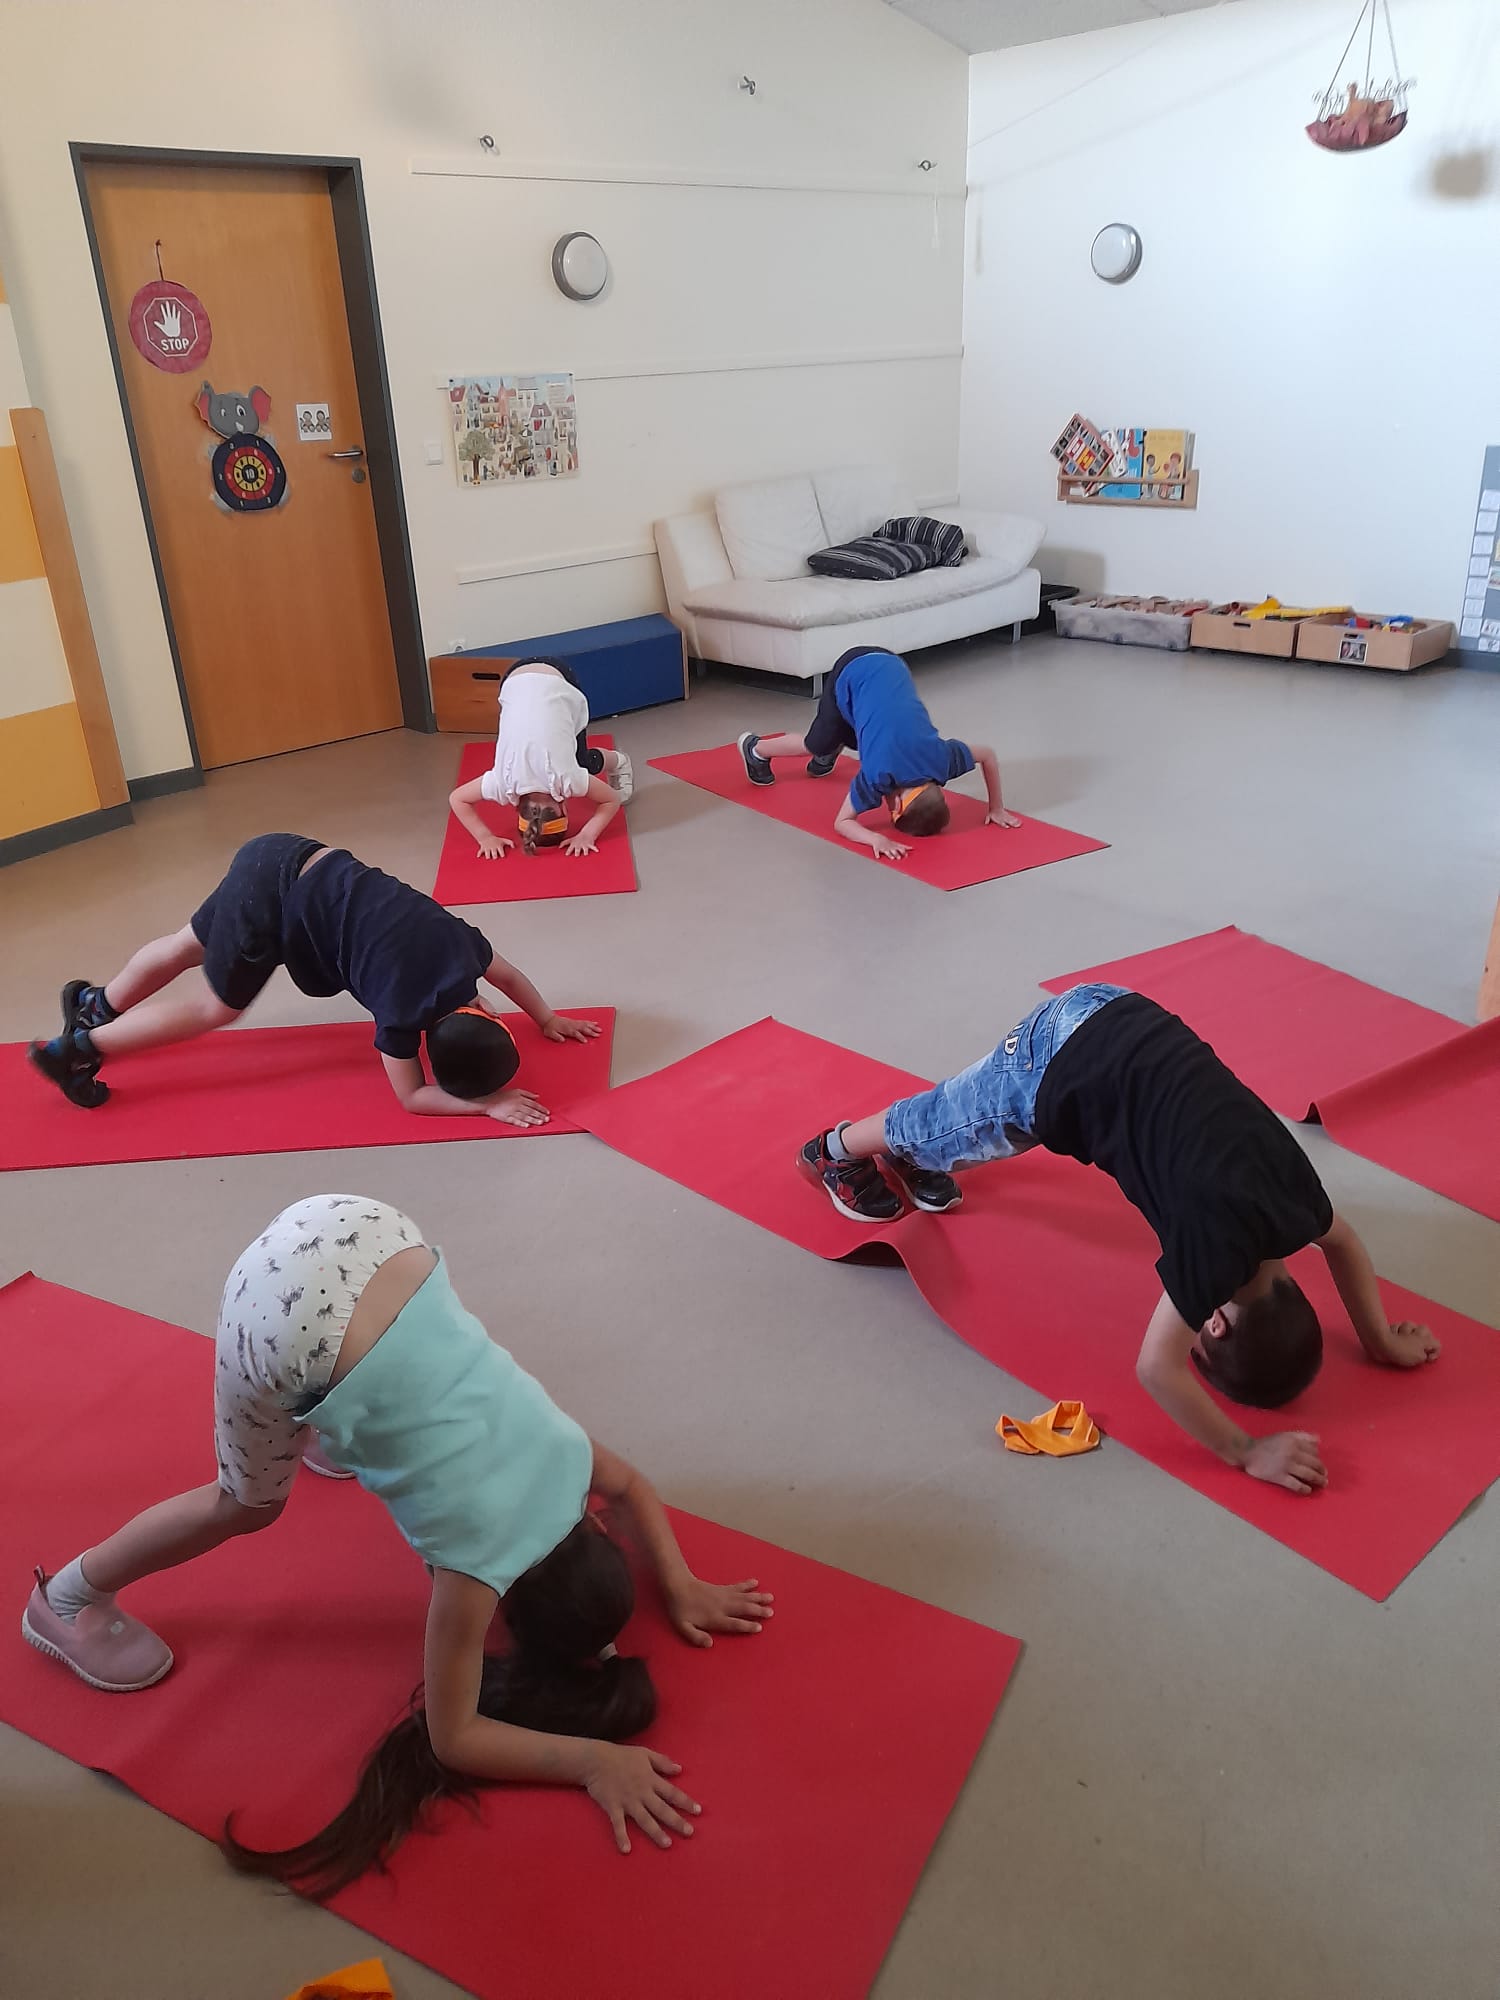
280	617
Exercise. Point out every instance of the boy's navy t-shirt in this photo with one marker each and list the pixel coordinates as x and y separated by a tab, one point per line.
893	732
350	928
1214	1171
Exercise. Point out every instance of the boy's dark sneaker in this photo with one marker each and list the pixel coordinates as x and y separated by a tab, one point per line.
857	1188
84	1006
757	769
72	1063
819	767
934	1193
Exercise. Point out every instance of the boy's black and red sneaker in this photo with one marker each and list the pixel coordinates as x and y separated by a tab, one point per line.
924	1187
757	769
857	1188
72	1063
819	767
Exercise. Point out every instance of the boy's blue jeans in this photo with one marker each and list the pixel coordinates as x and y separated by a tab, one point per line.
988	1111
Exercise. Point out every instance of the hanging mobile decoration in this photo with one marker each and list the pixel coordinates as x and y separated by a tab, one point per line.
170	324
1352	117
249	477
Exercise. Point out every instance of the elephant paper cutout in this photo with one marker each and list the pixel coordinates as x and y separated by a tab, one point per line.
230	413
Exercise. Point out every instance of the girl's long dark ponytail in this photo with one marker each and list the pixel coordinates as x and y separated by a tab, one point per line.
561	1615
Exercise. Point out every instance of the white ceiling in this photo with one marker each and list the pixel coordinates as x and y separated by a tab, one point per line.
977	25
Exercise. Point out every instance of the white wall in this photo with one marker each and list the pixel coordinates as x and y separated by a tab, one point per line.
1328	325
849	92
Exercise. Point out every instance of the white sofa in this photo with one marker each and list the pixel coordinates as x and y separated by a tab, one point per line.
739	587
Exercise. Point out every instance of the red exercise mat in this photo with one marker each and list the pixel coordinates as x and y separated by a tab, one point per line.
463	877
1434	1118
272	1090
826	1753
967	853
1292	1029
1048	1271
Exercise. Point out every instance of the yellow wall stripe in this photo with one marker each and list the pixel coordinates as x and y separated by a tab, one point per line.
44	770
20	552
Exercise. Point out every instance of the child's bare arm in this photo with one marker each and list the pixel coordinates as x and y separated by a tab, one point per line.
847	823
606	801
462	802
1406	1345
414	1093
626	1783
513	983
989	766
698	1609
1165	1372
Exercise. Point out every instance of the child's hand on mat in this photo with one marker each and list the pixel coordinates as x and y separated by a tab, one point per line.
887	849
580	844
1290	1459
1408	1345
494	847
517	1107
1002	818
699	1609
629	1782
558	1028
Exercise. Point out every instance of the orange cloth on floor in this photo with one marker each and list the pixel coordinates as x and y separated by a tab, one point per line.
366	1981
1061	1432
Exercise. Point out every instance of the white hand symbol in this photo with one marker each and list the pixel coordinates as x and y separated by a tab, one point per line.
169	326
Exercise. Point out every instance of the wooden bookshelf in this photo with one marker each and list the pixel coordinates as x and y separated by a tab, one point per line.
1073	488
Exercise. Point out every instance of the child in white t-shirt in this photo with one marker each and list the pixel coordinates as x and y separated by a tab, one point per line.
543	759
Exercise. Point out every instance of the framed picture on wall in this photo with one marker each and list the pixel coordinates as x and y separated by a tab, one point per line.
513	427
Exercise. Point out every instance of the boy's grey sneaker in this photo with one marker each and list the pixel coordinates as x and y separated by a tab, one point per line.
933	1192
757	769
819	767
857	1188
84	1006
72	1063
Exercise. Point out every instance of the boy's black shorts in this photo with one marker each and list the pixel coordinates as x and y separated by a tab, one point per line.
828	732
239	925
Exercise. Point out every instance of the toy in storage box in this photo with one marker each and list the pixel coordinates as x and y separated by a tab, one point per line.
1398	647
1129	621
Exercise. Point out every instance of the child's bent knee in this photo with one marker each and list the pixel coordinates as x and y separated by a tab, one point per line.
239	1518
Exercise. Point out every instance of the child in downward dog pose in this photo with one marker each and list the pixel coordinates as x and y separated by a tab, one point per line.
1108	1077
337	926
340	1318
870	704
543	759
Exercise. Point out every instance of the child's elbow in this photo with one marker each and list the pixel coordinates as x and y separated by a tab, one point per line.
446	1741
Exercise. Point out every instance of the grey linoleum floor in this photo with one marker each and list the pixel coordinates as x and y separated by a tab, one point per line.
1219	1774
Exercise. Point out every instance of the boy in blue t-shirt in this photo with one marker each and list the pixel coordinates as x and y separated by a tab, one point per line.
870	705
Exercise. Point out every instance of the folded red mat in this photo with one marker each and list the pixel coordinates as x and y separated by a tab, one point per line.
967	853
1048	1271
826	1753
272	1090
464	877
1292	1029
1410	1089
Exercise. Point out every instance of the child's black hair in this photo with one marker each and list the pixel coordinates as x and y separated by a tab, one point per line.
1270	1354
472	1054
562	1614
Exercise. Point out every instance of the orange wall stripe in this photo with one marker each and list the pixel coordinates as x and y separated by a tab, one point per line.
44	770
20	552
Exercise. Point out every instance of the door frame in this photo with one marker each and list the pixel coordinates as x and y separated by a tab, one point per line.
346	190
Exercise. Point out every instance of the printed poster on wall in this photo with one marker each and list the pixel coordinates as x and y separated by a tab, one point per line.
1479	622
509	427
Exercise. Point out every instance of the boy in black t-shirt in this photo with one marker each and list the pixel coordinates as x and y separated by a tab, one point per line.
337	926
1108	1077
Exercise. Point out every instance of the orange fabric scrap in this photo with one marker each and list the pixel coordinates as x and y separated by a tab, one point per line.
1061	1432
368	1980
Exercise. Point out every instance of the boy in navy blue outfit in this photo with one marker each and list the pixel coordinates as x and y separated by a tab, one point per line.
870	705
337	926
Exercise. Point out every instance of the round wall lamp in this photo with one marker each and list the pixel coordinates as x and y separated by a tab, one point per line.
1116	253
580	268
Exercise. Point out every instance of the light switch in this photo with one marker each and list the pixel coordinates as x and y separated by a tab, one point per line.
434	451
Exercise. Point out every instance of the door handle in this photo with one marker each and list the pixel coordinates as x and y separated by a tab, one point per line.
354	451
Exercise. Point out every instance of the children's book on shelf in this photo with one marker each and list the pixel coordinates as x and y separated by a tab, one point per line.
1166	458
1080	450
1126	451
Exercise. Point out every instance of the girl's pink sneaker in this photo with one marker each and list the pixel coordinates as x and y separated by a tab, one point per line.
103	1645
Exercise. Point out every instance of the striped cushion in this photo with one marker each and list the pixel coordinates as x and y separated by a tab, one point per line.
944	538
870	558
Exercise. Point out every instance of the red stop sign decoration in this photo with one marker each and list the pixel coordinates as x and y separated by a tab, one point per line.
170	326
